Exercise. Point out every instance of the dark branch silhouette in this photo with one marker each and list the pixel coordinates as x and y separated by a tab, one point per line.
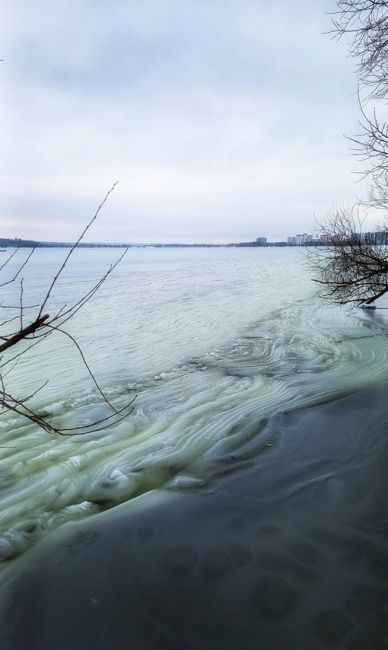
25	330
354	266
366	22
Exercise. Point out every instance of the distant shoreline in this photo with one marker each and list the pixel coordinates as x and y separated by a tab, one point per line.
27	243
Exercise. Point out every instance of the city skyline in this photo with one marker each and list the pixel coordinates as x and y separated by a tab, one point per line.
290	240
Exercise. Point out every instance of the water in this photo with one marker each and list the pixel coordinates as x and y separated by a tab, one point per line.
209	342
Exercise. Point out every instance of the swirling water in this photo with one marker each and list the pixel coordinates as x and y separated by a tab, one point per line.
210	341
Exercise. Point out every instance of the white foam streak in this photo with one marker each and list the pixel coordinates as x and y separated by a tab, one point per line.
209	350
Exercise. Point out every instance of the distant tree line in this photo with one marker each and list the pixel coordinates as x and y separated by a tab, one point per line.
16	242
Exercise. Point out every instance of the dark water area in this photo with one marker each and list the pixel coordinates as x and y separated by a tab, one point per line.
286	547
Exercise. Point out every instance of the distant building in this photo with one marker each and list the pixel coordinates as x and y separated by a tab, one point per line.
261	241
378	238
381	238
300	240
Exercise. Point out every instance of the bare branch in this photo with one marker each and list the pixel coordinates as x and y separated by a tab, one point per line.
354	266
80	238
20	269
78	347
23	333
39	328
353	269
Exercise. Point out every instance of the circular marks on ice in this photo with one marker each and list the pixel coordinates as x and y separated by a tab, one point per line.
277	563
304	552
240	555
332	626
215	565
179	561
273	597
371	596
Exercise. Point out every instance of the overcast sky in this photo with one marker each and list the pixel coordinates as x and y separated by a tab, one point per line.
222	120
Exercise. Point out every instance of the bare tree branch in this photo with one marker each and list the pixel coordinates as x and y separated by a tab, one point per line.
39	328
23	333
80	238
353	268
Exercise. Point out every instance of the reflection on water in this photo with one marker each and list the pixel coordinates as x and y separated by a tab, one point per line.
211	342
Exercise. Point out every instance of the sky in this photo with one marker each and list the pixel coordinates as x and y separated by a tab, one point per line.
222	120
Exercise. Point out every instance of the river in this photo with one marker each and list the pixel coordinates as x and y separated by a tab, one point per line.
209	342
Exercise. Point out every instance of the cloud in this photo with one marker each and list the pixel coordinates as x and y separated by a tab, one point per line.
219	119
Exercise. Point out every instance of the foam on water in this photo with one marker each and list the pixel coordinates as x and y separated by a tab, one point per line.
211	342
